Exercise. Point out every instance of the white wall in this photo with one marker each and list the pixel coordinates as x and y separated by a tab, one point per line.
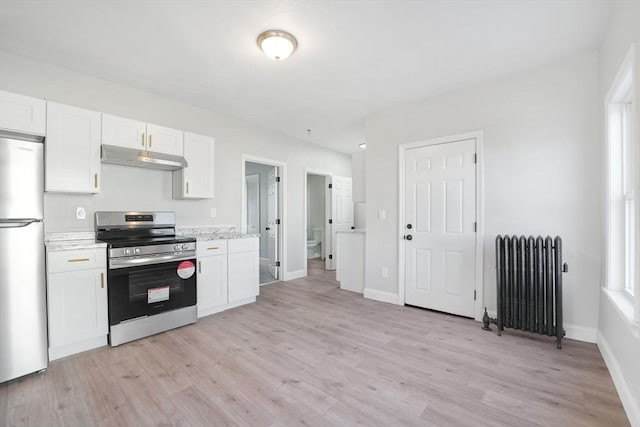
615	338
316	206
358	167
263	172
131	188
541	172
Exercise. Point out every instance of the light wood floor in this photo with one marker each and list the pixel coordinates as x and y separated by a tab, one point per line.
308	353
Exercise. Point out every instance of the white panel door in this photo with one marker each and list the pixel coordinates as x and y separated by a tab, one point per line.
273	227
212	283
165	140
72	149
123	132
253	203
77	302
21	113
440	215
198	179
341	211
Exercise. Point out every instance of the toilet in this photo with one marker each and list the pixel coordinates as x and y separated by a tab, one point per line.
314	246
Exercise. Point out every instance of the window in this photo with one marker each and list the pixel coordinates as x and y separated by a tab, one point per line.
622	163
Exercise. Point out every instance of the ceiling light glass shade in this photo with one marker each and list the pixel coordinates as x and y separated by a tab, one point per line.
363	145
277	44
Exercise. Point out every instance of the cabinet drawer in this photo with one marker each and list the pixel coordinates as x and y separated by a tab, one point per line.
58	261
211	247
244	245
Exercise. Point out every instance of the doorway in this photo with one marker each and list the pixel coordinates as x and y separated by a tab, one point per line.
262	215
338	215
440	205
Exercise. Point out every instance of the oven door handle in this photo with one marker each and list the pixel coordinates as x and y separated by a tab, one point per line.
115	263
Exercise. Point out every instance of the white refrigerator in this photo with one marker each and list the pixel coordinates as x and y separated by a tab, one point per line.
23	308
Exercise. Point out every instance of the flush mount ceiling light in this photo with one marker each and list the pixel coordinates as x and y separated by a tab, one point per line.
363	145
277	44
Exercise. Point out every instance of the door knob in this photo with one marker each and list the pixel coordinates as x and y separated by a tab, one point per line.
409	237
409	226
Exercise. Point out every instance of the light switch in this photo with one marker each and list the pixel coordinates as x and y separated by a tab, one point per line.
213	212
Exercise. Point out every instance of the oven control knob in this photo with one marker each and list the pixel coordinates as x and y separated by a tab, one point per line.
136	251
185	246
176	248
127	251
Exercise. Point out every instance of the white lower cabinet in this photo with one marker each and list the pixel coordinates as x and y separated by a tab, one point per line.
77	301
228	274
244	269
212	277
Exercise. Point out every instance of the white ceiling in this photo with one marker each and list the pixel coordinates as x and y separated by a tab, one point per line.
354	57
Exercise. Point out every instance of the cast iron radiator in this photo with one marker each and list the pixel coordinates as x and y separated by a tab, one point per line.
529	280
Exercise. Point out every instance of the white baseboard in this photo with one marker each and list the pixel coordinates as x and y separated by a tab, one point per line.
580	333
68	350
381	296
292	275
631	405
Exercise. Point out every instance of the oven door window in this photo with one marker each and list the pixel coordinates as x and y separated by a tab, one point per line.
147	290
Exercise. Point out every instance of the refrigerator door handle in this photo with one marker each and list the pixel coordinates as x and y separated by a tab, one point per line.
17	223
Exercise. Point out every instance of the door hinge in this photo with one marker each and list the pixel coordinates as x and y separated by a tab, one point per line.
475	227
330	256
277	179
330	221
277	221
330	185
475	157
277	263
474	295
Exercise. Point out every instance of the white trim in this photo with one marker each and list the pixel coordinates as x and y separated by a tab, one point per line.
78	347
225	307
327	202
479	276
282	206
381	296
292	275
581	333
630	404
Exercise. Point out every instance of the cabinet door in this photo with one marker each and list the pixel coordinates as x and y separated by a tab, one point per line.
198	177
212	283
165	140
21	113
72	150
77	302
243	275
123	132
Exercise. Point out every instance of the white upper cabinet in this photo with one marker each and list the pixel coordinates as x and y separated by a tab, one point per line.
19	113
130	133
123	132
72	150
164	140
196	181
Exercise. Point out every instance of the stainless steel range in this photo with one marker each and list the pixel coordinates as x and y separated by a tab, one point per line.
151	278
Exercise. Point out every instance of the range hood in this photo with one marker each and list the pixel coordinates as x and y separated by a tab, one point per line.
141	159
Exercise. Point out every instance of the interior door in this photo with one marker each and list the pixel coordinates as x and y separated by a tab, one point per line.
440	215
272	222
341	211
327	247
253	203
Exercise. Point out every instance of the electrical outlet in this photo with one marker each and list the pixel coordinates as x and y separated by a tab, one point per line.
384	272
81	213
382	214
213	212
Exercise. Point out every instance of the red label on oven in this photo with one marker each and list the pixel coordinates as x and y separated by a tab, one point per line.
186	269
